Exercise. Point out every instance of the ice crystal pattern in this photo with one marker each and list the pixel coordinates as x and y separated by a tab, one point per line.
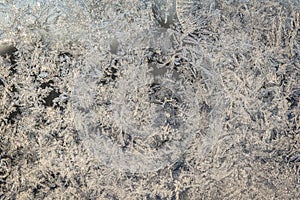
135	106
143	125
132	116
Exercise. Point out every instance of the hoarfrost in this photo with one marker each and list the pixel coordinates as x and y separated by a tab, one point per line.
136	100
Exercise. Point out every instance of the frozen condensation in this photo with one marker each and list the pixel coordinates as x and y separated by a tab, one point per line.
137	97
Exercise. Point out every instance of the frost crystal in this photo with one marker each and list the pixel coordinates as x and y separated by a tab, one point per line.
137	97
140	112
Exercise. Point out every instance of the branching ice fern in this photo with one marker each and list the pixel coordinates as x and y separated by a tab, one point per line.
134	108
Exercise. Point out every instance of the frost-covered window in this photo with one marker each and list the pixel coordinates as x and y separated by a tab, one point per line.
204	91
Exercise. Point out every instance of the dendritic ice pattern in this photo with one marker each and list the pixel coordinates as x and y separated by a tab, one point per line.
144	124
149	99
